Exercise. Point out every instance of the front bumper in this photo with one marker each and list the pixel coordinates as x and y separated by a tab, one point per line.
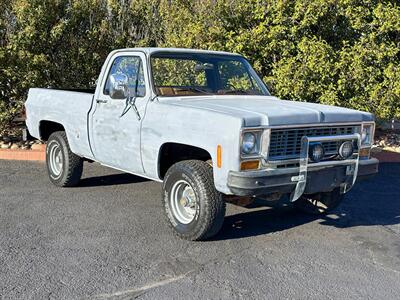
319	179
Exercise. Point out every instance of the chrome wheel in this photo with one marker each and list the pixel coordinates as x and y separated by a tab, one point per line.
55	159
183	202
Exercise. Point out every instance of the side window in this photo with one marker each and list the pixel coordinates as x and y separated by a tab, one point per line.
131	66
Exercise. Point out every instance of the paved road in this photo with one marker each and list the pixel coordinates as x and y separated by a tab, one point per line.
108	239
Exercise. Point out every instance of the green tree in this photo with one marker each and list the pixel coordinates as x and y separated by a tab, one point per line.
341	52
10	102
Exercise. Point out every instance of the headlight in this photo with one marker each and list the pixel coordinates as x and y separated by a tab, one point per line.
367	134
249	143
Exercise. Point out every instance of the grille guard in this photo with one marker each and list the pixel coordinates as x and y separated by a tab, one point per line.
351	170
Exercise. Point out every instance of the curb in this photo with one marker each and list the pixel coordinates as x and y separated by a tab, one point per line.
387	156
27	155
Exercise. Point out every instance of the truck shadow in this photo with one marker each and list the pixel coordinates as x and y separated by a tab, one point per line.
369	203
112	179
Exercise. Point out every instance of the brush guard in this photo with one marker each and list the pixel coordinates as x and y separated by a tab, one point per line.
351	163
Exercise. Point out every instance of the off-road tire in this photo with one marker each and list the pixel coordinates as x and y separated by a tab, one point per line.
72	164
210	210
319	204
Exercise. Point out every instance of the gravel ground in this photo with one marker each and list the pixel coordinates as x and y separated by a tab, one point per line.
108	239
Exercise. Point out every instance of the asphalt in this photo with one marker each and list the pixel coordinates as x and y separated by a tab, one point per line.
108	239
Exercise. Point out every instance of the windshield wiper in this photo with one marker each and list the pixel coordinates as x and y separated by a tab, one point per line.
238	91
193	89
241	92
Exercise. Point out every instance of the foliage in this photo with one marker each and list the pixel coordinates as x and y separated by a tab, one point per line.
177	72
341	52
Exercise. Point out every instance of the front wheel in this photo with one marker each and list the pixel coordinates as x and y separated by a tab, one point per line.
194	208
63	166
319	204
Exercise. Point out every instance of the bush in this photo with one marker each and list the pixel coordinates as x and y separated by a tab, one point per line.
344	52
341	52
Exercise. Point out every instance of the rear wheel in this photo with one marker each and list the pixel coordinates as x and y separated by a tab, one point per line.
194	208
319	204
63	166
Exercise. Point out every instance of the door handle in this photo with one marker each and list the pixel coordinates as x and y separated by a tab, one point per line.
101	101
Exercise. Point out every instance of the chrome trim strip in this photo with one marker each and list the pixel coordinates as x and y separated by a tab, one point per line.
316	125
311	125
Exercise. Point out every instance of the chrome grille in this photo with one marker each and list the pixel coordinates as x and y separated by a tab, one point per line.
286	143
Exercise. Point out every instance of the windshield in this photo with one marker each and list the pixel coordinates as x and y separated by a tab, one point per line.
188	74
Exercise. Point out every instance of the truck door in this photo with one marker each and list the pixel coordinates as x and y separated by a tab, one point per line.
115	124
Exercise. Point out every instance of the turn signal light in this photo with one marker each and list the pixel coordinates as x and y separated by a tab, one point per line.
249	165
365	152
219	156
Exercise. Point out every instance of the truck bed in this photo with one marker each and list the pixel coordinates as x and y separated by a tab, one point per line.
86	91
67	107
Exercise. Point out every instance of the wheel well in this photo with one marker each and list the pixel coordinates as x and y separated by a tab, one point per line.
171	153
46	128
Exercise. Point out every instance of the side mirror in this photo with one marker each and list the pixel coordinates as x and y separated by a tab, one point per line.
119	86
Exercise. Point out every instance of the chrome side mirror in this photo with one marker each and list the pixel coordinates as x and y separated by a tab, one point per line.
119	86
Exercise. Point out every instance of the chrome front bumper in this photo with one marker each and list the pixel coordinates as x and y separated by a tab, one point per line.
308	178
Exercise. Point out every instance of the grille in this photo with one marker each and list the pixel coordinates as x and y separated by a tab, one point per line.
286	143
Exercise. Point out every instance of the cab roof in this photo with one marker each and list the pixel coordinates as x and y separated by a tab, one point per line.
150	50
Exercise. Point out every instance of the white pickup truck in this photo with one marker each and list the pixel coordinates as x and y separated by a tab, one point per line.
204	124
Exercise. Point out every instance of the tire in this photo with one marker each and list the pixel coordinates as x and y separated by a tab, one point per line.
63	167
195	210
319	204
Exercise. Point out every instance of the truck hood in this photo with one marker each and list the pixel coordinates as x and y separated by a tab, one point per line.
271	111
